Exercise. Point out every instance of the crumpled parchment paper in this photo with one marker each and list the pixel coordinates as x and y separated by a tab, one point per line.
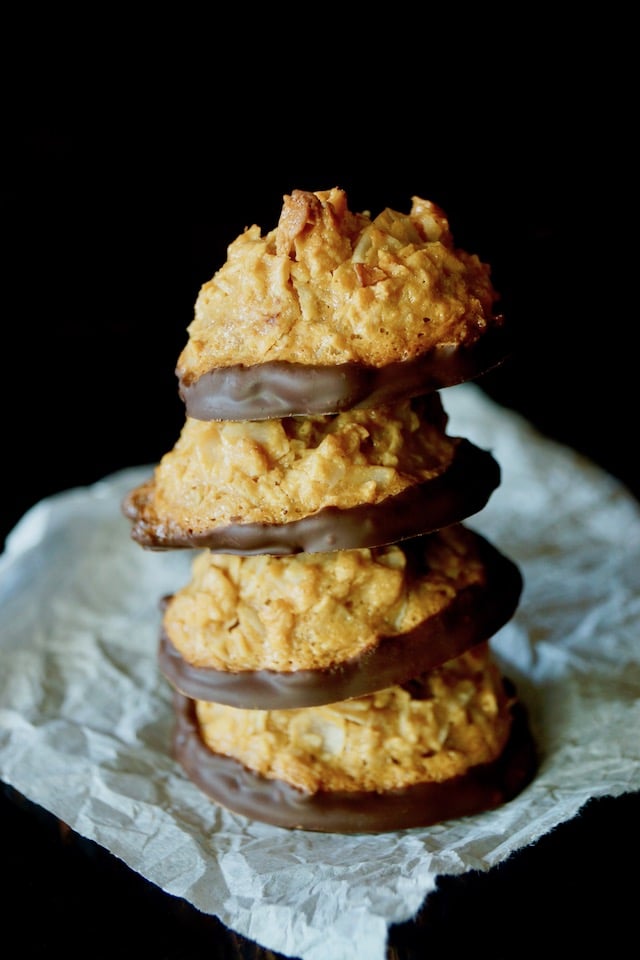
85	716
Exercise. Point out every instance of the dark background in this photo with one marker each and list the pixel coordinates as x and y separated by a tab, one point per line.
111	227
116	208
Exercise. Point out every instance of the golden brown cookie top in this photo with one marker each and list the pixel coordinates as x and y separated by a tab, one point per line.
329	288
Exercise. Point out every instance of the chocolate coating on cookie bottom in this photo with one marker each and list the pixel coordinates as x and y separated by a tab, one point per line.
472	616
278	389
238	789
458	493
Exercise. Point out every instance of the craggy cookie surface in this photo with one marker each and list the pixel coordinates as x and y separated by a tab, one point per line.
339	295
257	474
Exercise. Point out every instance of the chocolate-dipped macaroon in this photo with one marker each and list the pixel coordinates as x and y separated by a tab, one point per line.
361	478
332	310
450	743
280	632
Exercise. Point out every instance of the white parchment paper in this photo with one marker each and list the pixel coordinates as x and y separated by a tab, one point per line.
85	717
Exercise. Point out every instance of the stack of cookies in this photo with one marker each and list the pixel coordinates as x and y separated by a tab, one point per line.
330	654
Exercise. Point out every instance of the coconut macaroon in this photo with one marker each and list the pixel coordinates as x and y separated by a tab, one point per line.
443	745
295	631
359	478
332	310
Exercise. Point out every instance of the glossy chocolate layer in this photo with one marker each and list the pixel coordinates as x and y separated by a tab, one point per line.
473	615
454	495
235	787
281	389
